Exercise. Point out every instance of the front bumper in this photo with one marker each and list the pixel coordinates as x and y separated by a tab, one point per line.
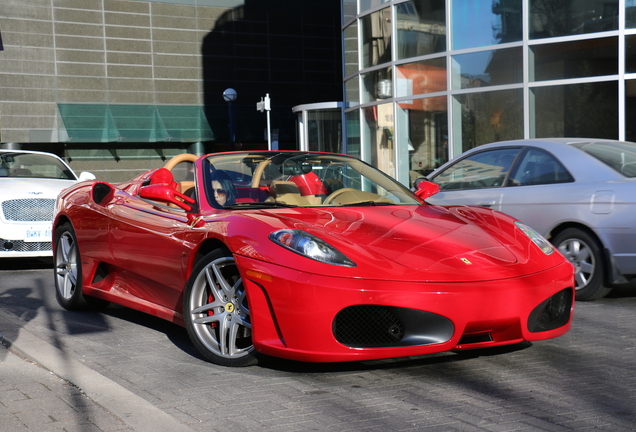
18	239
311	317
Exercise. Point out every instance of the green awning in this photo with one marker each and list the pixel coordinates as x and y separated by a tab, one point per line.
133	123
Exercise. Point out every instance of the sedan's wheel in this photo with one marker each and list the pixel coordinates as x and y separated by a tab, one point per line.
584	253
216	312
68	270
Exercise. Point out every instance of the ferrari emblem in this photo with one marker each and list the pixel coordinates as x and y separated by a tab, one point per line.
466	261
229	307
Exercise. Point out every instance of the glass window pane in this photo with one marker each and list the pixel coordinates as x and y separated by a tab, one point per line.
353	133
549	18
482	23
630	54
592	57
376	38
577	110
621	157
481	170
378	132
324	131
488	68
539	167
630	13
377	85
630	110
352	91
421	28
490	116
425	123
368	4
428	76
349	10
351	49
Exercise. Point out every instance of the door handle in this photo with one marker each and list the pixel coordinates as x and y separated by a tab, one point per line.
486	203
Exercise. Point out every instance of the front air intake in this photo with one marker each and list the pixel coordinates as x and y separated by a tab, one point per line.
552	313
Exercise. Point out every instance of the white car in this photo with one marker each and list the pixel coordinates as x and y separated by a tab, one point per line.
29	184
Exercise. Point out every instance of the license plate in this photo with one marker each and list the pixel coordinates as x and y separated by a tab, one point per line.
38	235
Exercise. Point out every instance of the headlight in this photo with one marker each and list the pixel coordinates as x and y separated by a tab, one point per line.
537	238
310	246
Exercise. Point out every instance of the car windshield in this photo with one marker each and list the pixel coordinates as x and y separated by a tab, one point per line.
620	156
297	179
33	165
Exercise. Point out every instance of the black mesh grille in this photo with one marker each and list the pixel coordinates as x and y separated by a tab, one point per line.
552	313
367	326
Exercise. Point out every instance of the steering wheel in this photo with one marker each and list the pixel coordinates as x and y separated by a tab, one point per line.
176	160
333	195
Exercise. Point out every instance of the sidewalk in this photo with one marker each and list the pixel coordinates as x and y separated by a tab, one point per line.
32	398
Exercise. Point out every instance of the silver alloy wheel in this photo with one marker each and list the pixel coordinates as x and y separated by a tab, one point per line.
580	255
218	309
66	266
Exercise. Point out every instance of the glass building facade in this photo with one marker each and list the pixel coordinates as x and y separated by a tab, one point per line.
425	80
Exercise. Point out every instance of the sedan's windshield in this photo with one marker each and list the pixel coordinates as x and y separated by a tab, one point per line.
620	156
297	179
33	165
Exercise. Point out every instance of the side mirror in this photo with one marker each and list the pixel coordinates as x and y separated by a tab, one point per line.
102	193
85	175
425	188
163	193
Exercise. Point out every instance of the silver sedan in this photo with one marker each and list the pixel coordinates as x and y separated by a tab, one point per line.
579	193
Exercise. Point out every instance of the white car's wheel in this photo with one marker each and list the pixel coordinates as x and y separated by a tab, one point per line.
216	312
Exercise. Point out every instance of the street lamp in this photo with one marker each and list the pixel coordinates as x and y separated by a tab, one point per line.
229	96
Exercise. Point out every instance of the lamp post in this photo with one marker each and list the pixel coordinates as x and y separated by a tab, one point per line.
229	96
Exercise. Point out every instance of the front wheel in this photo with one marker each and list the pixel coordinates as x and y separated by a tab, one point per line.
68	272
584	252
216	312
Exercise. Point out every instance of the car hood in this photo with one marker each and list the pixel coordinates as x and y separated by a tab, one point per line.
422	242
13	188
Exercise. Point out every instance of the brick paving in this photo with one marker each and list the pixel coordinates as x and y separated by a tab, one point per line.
583	381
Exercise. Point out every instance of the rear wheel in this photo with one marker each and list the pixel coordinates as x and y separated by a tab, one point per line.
584	252
216	312
68	271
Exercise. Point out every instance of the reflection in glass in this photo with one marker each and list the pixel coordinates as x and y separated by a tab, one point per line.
352	91
482	23
425	123
550	18
421	28
428	76
488	68
630	53
351	48
378	137
377	85
577	110
352	119
376	38
591	57
630	110
490	116
630	13
324	132
349	10
368	4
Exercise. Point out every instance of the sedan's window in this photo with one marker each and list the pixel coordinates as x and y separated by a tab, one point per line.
538	167
620	156
33	165
480	170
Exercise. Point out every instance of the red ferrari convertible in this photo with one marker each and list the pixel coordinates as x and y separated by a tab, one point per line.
306	256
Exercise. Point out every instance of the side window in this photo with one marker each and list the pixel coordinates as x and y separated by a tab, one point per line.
538	167
481	170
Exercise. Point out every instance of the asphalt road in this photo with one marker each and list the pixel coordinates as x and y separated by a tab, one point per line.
145	374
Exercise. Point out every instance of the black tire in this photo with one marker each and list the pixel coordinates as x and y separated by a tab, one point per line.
585	253
216	312
68	272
